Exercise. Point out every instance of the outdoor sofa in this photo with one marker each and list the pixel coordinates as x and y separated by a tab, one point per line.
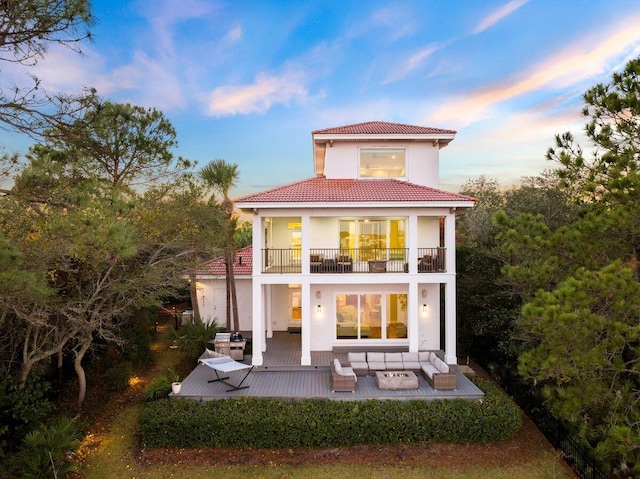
434	369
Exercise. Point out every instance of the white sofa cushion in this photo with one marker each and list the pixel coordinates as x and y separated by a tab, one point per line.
357	357
358	361
441	365
429	369
393	361
376	361
337	366
423	356
347	371
393	357
411	361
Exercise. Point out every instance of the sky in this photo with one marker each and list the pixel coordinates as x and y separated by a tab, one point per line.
248	81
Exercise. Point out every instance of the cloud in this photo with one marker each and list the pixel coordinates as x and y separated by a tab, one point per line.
499	14
146	82
257	97
414	62
584	60
234	35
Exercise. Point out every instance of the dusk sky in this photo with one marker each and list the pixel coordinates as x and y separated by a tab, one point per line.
247	81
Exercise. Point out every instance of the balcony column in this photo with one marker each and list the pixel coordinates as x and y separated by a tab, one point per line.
412	235
305	330
258	308
450	242
450	339
305	251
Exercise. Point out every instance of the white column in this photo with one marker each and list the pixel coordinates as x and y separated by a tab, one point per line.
450	335
267	311
307	307
258	342
450	242
307	311
306	240
413	313
450	354
413	244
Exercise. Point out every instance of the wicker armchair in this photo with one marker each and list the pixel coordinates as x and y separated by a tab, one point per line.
343	379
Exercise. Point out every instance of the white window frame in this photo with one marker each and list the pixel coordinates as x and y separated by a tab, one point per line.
390	148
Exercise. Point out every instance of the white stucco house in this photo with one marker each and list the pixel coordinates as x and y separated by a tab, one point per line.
361	255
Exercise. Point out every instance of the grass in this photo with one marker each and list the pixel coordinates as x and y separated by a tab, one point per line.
112	452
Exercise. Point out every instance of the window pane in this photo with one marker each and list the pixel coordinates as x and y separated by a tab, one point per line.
370	316
347	234
372	239
382	163
346	316
396	316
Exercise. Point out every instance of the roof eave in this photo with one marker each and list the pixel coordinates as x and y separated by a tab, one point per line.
355	204
439	138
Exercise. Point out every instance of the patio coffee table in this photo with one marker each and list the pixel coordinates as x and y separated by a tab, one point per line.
394	380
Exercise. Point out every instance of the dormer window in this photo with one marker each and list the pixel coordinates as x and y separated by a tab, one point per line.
382	163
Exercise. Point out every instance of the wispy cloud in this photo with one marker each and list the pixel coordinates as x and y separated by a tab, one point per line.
587	58
499	14
257	97
413	63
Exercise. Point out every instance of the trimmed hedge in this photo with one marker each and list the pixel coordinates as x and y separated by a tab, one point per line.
277	423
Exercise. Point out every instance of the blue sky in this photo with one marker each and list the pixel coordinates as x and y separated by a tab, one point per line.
247	81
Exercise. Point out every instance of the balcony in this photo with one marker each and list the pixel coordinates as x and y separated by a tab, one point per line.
347	261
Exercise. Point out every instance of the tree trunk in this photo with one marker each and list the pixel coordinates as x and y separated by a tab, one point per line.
227	284
77	366
194	295
230	272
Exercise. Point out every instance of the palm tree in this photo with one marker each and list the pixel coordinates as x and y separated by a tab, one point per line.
222	176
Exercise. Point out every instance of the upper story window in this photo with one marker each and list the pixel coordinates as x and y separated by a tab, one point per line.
382	162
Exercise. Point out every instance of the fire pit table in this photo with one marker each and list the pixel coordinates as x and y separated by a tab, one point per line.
394	380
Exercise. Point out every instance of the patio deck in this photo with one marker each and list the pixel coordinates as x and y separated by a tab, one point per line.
281	376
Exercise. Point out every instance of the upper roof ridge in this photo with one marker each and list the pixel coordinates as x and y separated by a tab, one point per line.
383	128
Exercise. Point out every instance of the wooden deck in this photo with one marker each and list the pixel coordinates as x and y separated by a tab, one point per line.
281	376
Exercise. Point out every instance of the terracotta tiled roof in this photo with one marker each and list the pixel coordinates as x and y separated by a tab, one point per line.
322	190
242	266
382	128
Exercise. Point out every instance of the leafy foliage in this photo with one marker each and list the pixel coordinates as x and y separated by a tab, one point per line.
21	410
586	340
46	451
580	279
160	387
275	423
193	338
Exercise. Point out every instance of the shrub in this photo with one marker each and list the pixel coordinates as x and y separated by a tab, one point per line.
160	387
118	376
46	451
192	338
21	410
277	423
